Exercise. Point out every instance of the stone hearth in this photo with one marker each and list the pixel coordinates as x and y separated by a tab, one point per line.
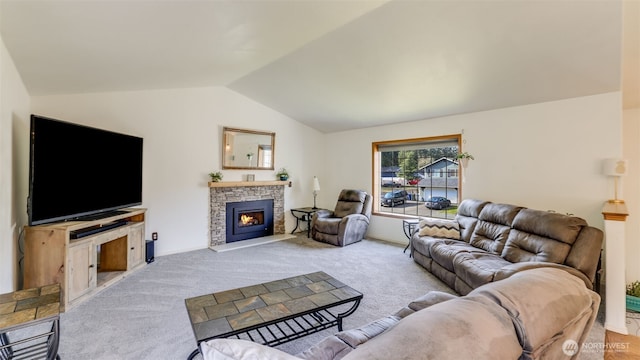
222	192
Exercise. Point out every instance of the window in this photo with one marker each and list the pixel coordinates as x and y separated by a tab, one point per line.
417	177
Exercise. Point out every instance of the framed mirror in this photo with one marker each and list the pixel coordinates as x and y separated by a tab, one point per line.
247	149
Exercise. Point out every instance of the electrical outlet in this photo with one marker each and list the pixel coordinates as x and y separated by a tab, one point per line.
154	236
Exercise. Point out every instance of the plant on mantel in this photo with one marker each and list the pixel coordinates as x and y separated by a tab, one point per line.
215	176
282	174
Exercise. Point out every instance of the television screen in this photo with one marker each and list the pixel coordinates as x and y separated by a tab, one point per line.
77	171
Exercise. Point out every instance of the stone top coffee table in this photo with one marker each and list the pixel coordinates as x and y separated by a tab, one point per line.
274	312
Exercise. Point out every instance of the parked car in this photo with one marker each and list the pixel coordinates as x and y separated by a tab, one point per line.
437	202
394	197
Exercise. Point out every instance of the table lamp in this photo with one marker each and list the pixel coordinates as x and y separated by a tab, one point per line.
316	188
615	168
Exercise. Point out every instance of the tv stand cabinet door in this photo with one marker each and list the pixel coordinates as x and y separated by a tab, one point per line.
82	269
136	245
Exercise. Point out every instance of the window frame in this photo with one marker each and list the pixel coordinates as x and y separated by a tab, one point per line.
376	169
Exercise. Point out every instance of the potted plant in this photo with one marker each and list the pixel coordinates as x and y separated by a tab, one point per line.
633	296
464	158
215	176
282	174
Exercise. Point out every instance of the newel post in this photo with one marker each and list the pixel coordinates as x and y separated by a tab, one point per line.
615	215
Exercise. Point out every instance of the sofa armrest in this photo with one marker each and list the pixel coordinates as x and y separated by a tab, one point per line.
509	270
424	301
235	349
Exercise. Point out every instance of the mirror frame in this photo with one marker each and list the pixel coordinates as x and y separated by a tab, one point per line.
227	132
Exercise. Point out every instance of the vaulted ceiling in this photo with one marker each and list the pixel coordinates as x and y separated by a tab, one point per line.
334	65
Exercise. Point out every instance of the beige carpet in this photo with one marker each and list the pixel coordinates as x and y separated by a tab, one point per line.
143	316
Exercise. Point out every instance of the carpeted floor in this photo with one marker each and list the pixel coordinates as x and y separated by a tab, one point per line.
143	316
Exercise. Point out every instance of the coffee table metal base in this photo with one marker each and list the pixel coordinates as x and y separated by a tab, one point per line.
298	323
292	329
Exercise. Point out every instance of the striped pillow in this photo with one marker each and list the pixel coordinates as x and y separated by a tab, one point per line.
439	228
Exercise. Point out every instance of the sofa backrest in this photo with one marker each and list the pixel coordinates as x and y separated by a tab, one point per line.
542	236
467	216
525	235
493	227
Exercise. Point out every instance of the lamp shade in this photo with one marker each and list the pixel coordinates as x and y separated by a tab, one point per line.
316	184
614	167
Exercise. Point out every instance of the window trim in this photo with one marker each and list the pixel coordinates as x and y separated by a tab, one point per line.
376	175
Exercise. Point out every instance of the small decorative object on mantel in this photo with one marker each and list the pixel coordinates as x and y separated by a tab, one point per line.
251	177
633	296
282	174
215	176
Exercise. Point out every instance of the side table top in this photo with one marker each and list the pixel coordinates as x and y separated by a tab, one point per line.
307	209
27	305
411	221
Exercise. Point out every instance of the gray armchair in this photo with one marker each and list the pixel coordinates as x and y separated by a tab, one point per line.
347	223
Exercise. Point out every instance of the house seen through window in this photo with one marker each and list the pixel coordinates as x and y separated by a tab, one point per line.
417	177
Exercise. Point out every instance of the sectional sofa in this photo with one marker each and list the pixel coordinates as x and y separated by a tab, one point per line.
543	313
526	277
487	242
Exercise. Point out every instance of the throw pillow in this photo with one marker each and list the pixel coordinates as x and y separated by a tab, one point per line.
439	228
233	349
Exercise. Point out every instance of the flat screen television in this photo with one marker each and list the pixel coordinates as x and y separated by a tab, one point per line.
77	171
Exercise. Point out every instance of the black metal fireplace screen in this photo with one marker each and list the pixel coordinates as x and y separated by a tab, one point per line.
249	219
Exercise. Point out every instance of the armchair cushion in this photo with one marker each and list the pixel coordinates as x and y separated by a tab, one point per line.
350	202
328	225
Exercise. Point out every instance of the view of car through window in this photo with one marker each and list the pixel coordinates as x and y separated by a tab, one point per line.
418	178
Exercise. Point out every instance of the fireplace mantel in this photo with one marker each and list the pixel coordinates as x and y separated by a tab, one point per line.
216	184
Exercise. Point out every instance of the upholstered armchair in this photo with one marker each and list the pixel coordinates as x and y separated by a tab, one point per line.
347	223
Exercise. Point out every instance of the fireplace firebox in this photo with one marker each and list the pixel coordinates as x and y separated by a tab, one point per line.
249	219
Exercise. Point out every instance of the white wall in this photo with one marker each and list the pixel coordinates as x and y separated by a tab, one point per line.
631	194
14	112
544	156
182	131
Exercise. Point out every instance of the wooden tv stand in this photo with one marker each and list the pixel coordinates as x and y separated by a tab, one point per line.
87	263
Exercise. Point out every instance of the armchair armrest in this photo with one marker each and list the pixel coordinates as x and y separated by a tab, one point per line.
323	213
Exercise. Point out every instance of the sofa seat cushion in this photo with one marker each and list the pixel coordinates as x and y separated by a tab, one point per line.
477	269
422	244
548	307
454	329
444	252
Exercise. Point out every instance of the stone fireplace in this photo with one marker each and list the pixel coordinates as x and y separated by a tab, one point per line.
222	193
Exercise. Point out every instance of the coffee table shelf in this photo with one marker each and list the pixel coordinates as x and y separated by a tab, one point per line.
291	329
273	313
